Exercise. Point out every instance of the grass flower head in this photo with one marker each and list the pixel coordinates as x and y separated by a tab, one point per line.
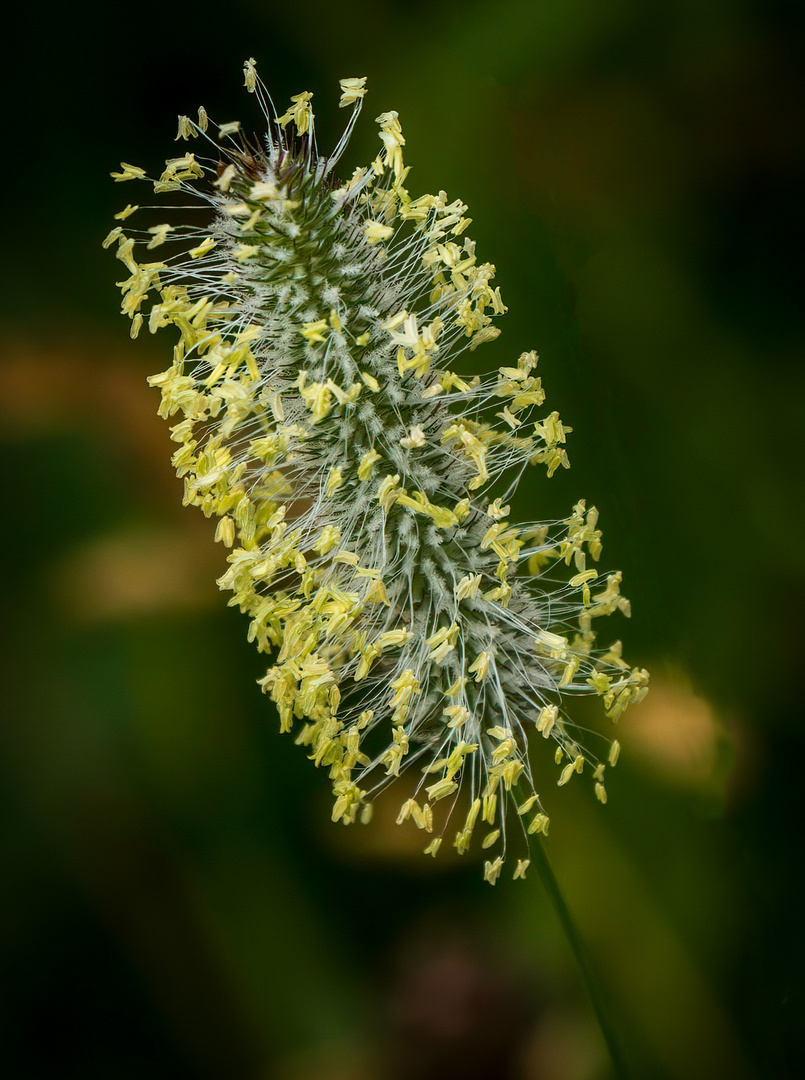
361	483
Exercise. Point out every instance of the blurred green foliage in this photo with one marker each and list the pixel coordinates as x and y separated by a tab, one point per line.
176	902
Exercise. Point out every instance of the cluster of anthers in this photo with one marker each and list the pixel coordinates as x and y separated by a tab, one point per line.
361	484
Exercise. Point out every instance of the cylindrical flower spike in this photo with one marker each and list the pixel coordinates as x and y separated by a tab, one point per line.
360	482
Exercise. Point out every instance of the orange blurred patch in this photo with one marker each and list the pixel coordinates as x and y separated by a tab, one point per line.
118	577
91	387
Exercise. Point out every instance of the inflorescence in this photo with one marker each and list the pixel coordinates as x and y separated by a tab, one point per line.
361	484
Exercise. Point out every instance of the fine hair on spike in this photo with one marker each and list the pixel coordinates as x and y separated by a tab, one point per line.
360	482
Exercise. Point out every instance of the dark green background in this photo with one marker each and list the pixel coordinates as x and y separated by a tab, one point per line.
175	901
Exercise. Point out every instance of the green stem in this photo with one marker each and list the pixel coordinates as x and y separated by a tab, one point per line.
582	958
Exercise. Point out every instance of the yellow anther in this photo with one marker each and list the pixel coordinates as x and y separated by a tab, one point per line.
539	824
496	511
492	870
395	321
458	716
502	593
352	90
442	642
314	331
367	464
441	789
389	491
250	74
547	719
128	172
456	688
415	437
375	232
394	638
467	588
334	481
404	687
328	539
489	333
344	397
555	642
186	130
423	817
442	517
300	112
203	248
584	578
159	234
116	234
392	138
480	667
567	772
600	682
376	593
348	558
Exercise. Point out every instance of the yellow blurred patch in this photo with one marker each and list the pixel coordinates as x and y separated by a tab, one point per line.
677	733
